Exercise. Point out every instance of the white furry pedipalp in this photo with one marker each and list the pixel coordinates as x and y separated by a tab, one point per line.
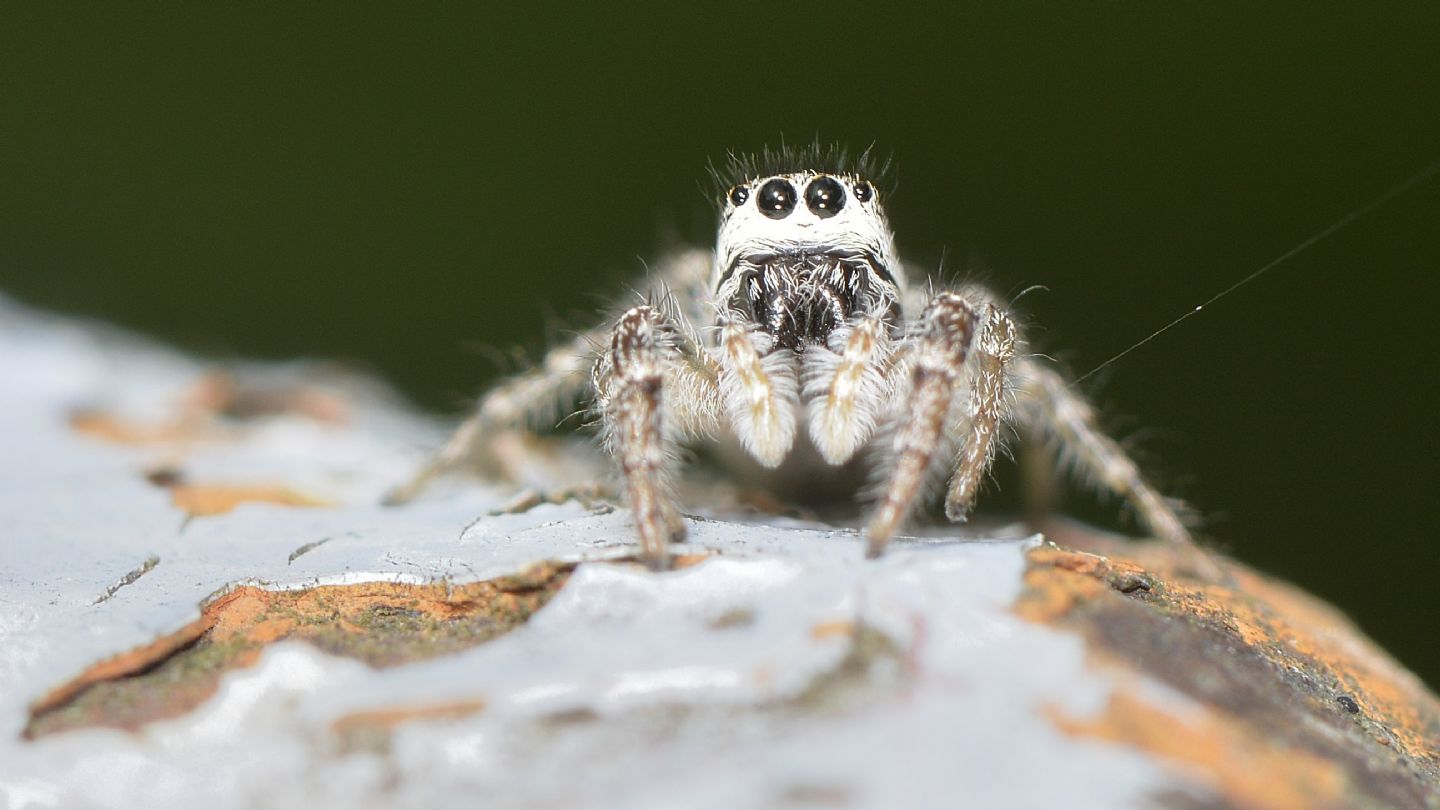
760	391
847	385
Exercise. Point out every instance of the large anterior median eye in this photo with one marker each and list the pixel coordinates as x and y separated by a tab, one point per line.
825	197
776	199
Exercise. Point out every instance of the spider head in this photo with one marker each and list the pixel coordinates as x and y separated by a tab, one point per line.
800	252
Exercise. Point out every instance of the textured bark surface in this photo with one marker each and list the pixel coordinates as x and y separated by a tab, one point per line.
204	603
1301	709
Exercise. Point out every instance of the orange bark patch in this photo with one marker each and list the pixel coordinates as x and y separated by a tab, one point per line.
219	393
1282	674
118	430
380	623
212	409
1301	626
835	629
123	665
203	500
371	730
1059	579
1245	770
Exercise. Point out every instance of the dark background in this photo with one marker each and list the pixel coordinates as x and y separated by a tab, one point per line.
396	187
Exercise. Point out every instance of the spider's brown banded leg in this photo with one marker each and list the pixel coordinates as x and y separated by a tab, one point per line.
1052	409
937	358
539	397
632	407
529	397
989	409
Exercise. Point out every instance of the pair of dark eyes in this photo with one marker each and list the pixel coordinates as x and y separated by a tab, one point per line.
824	196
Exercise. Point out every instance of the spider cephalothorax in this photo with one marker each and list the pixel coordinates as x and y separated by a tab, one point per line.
800	327
801	253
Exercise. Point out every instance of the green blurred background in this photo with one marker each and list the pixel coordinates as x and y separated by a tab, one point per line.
397	186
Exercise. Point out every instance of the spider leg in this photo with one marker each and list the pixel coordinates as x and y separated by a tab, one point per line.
539	396
942	341
648	365
1050	408
989	409
525	399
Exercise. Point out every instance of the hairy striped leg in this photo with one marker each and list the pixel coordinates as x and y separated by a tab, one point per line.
642	428
937	359
534	395
538	397
1051	409
989	409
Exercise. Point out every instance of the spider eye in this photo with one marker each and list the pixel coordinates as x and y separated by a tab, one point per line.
777	199
825	197
863	191
738	195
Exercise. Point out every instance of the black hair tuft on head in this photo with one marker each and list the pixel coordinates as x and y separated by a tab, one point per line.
825	158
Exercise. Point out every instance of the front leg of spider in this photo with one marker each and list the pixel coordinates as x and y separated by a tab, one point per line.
988	412
633	412
940	345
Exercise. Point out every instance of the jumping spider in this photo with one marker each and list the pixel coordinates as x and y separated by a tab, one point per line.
803	338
